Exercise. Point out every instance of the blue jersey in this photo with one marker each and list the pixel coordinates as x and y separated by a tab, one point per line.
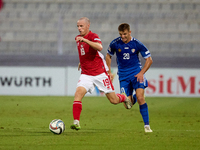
127	56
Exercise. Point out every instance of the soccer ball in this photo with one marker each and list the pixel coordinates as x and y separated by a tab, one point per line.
57	126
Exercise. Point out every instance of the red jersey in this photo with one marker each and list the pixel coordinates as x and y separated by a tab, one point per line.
92	61
1	4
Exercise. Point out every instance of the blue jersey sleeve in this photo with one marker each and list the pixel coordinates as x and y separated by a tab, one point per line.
111	49
143	50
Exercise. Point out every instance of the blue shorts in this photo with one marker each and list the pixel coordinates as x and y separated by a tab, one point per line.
131	84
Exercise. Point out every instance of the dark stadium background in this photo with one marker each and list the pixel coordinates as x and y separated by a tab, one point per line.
41	33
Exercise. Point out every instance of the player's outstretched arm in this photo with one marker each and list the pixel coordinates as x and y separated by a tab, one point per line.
108	62
147	65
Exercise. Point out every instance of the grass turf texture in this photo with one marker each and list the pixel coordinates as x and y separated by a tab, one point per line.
24	124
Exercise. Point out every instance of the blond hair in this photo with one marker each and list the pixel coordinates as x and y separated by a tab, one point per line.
87	20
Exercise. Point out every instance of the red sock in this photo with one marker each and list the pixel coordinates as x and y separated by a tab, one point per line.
77	108
122	98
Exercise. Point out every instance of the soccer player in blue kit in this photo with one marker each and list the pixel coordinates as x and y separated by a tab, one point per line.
130	71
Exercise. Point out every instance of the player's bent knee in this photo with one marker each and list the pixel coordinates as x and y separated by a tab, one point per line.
112	98
141	100
113	102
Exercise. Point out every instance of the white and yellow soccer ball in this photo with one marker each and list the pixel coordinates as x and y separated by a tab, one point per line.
57	126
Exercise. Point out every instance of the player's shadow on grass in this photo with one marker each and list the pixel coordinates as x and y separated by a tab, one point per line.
27	134
92	131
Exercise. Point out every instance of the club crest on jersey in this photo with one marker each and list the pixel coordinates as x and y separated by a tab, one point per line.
119	50
133	50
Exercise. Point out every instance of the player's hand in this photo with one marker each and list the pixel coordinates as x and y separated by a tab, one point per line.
140	77
111	76
79	38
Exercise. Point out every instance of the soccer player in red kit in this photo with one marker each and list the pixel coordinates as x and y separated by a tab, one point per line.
93	71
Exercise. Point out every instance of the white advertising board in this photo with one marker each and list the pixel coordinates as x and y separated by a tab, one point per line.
32	81
173	82
161	82
61	81
72	79
169	82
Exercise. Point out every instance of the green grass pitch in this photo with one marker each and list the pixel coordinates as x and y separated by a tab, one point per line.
24	124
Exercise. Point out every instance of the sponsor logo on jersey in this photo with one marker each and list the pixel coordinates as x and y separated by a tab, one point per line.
119	50
126	47
133	50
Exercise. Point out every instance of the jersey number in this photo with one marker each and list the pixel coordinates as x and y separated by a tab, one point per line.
126	56
82	50
106	83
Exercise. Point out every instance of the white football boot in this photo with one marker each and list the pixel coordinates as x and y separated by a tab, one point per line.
147	129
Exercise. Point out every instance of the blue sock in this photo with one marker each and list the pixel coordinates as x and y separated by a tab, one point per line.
134	99
145	113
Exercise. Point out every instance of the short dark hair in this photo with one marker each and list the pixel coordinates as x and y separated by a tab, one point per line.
123	27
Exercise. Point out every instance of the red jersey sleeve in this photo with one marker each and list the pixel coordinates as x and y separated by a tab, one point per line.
96	38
